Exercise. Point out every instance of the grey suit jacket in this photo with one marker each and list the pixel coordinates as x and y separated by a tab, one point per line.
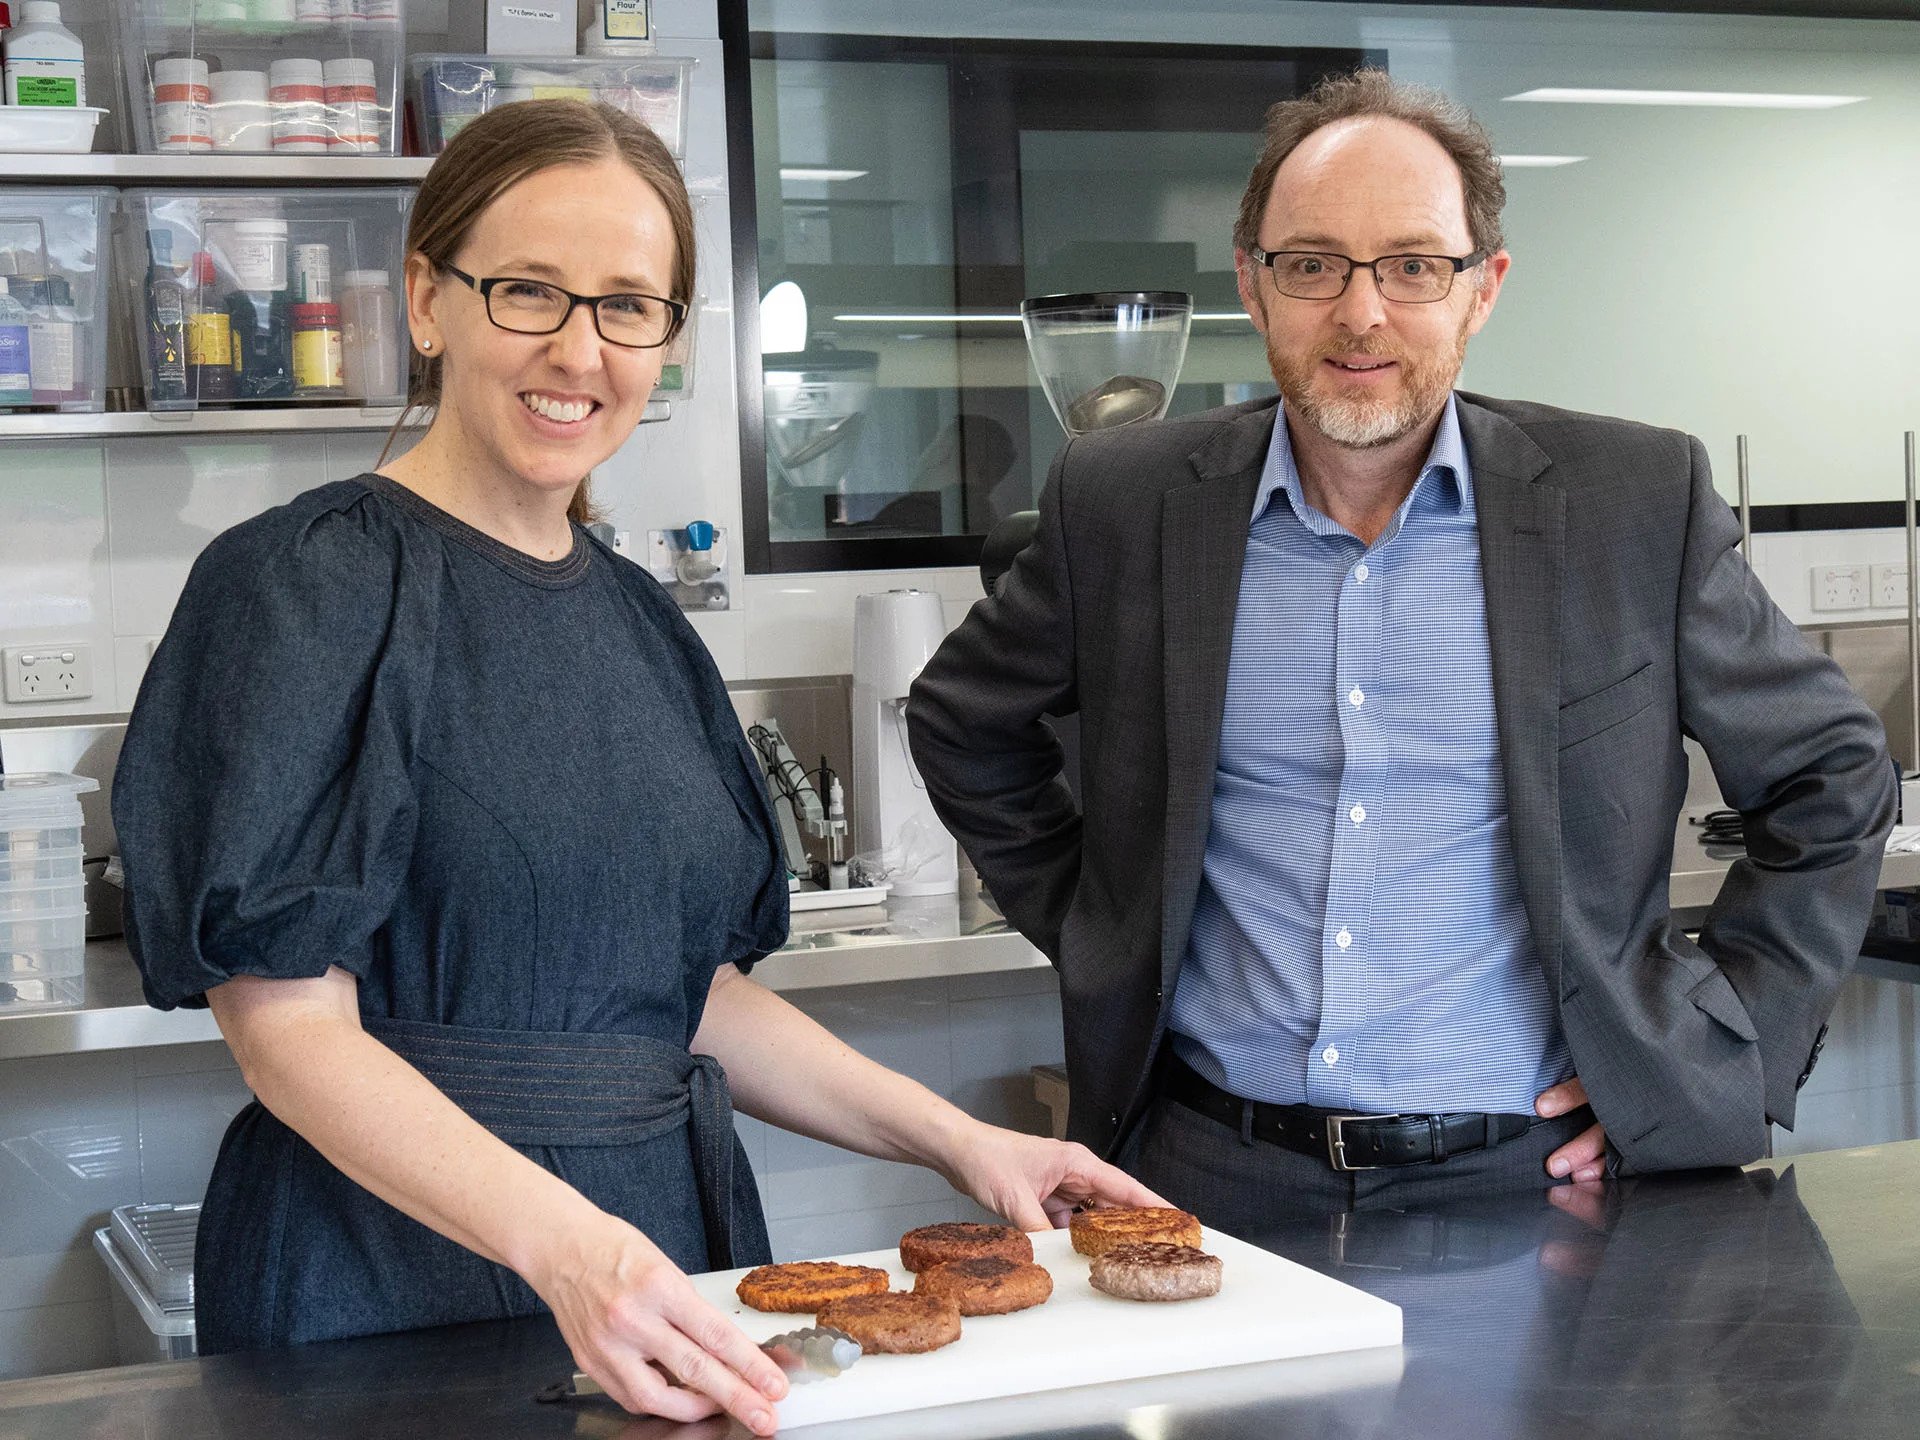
1621	618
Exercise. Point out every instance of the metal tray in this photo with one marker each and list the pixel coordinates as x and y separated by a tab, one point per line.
157	1243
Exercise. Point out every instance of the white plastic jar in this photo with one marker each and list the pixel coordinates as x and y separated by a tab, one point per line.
298	92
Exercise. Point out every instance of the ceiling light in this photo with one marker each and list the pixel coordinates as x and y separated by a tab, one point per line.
1731	99
1538	162
817	172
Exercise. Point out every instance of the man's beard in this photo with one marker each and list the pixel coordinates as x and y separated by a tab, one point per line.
1361	422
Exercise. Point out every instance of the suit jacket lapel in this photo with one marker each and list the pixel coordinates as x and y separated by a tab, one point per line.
1203	544
1522	526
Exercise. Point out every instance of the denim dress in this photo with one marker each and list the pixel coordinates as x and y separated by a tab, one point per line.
511	798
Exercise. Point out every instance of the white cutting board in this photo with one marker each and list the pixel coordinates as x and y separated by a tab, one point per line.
1267	1309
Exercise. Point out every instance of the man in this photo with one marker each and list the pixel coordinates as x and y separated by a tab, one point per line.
1381	694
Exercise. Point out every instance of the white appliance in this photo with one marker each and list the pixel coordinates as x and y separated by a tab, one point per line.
894	634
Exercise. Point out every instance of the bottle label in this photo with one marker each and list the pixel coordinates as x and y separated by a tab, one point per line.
209	339
52	343
316	360
16	379
46	90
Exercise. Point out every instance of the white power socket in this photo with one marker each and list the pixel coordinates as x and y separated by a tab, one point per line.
1840	587
39	673
1890	587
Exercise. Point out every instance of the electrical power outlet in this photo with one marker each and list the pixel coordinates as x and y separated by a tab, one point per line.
36	674
1890	587
1840	587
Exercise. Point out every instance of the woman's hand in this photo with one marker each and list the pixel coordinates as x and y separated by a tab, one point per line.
635	1324
1034	1182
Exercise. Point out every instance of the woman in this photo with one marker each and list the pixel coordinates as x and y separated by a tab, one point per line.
442	808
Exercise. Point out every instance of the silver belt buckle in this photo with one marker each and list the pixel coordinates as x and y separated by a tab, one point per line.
1337	1144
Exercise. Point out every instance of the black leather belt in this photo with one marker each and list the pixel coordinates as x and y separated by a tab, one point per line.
1344	1141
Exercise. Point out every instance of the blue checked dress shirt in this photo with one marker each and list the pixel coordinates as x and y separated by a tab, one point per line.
1359	941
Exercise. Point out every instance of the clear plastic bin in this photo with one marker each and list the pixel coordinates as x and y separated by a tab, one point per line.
205	78
61	897
144	1330
43	912
450	90
236	295
53	250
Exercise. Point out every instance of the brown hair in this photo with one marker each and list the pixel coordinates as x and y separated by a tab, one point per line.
1374	93
503	147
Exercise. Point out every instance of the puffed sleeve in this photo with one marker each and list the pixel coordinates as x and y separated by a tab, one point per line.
262	797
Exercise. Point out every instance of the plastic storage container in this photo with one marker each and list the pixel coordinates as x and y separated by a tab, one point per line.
307	77
53	247
43	906
450	90
262	273
148	1252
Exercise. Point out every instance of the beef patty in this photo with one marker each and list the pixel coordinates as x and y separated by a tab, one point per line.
989	1286
803	1286
895	1323
1095	1231
1152	1271
962	1240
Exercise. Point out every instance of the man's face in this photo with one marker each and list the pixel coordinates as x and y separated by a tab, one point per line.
1362	370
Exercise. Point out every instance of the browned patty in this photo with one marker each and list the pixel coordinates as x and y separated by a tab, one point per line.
1096	1231
1153	1271
895	1323
990	1286
803	1286
962	1240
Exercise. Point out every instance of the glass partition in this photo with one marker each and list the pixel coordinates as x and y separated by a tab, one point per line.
1708	216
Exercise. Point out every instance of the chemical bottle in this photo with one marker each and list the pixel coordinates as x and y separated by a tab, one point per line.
166	327
16	363
316	350
368	353
209	338
46	64
260	311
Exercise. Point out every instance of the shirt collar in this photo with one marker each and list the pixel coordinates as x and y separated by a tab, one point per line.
1446	463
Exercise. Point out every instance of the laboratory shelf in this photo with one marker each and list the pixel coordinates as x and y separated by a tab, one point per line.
215	169
238	421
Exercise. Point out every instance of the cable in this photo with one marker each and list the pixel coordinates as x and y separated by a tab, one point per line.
1721	827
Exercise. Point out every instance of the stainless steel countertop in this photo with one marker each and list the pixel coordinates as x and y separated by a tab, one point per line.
917	939
1783	1301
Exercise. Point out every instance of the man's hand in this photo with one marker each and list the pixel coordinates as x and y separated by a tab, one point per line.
1585	1156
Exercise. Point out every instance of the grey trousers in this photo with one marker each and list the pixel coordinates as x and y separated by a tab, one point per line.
1247	1188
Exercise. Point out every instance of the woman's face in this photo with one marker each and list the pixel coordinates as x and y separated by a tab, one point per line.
546	409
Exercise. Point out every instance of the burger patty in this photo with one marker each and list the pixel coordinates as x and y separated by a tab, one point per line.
1096	1231
962	1240
989	1286
895	1323
1152	1271
803	1286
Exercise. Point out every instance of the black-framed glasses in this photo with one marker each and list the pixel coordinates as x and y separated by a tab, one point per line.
534	307
1322	275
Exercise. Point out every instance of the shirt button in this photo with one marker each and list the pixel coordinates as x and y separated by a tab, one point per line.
1356	698
1343	939
1357	814
1330	1055
1360	572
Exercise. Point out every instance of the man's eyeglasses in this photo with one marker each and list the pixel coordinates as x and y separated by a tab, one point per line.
1320	275
533	307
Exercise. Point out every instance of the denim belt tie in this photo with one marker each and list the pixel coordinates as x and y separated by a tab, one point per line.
560	1089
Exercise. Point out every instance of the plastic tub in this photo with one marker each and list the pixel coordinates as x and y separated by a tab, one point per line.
143	1329
48	129
31	862
61	896
451	90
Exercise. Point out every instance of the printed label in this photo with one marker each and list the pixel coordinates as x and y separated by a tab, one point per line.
527	12
16	379
627	20
52	367
46	90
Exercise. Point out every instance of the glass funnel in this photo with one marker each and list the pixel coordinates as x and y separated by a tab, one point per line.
1109	358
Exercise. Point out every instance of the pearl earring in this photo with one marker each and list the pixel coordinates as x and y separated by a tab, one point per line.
426	344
